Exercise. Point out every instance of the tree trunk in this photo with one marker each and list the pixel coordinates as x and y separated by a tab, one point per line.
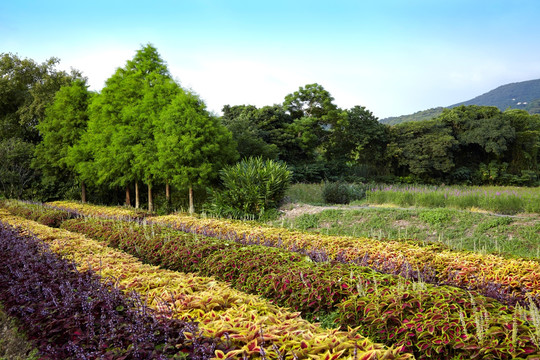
150	204
137	202
191	207
83	192
128	197
168	192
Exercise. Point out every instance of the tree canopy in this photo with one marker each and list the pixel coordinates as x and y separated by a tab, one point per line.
144	130
192	146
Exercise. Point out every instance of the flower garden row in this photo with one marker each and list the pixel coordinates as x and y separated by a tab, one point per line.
246	325
507	280
510	281
438	322
72	315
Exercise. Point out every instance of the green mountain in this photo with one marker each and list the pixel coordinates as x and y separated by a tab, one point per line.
521	95
417	116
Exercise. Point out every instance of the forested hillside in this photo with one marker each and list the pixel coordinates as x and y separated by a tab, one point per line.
516	96
417	116
523	95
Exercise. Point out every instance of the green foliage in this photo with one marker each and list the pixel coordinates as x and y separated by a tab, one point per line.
62	128
305	193
27	89
314	116
251	187
356	137
503	200
423	149
493	223
16	174
245	124
192	145
120	134
336	193
328	320
342	193
307	221
436	216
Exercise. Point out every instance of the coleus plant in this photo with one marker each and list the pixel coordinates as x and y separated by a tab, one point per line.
45	215
251	281
73	315
292	280
221	311
510	281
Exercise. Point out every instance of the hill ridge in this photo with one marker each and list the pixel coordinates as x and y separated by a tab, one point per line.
517	95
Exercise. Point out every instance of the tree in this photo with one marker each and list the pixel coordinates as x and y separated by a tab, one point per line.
64	123
16	173
122	119
357	138
423	149
192	146
314	114
242	123
483	136
523	153
26	89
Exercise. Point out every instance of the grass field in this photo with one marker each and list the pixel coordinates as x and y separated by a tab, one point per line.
463	223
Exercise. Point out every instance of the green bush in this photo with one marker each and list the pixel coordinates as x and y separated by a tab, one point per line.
336	193
253	188
342	193
436	216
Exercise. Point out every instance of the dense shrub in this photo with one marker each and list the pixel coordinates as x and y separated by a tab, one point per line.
252	187
342	193
336	193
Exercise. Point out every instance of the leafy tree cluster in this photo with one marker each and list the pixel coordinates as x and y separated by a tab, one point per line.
466	144
470	145
143	128
27	89
143	131
316	138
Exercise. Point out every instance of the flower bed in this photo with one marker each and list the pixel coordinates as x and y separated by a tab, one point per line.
446	320
71	314
243	321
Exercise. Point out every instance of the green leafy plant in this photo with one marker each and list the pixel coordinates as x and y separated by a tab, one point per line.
252	187
307	221
436	216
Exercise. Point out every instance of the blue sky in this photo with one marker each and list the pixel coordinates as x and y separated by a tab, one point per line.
393	57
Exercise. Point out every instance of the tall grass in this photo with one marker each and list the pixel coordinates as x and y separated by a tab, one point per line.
503	200
305	194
